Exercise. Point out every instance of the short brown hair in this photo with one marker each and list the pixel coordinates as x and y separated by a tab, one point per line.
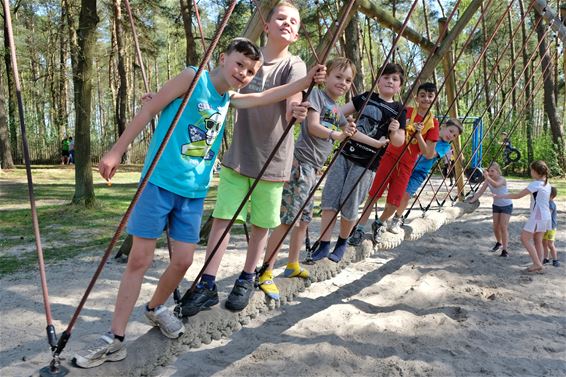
391	68
245	47
341	64
553	192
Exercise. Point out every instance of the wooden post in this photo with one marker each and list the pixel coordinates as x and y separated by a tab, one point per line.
450	86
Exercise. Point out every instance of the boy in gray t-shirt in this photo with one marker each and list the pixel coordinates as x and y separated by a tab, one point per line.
319	131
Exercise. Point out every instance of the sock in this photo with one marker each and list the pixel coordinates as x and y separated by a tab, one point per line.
293	266
322	251
208	280
339	250
362	227
249	276
341	241
120	338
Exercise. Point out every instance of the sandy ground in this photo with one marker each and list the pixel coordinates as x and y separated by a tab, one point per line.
440	306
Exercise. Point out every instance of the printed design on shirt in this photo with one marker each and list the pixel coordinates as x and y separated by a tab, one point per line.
203	134
329	117
370	120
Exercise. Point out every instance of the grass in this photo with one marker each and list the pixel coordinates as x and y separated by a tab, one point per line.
66	230
69	230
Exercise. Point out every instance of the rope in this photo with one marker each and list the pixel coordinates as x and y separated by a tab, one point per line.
288	128
51	335
507	96
67	333
488	43
500	110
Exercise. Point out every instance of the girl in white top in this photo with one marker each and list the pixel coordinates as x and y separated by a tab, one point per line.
502	208
539	221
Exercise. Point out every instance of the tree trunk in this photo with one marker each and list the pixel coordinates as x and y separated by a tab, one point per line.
191	57
62	118
549	102
5	151
82	79
122	97
12	125
526	75
352	47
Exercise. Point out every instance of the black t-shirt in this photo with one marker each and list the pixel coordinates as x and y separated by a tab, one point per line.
374	122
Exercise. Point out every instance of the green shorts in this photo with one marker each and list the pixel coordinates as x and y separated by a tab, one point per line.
265	199
550	235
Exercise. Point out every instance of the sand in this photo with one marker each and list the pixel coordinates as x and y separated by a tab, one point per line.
443	305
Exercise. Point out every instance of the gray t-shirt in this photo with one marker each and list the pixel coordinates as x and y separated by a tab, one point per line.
257	130
315	150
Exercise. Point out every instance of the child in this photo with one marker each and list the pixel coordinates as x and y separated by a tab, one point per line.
256	133
550	235
176	190
377	121
314	145
422	133
502	208
448	132
540	220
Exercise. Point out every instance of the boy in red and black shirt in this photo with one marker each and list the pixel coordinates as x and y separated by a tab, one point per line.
421	134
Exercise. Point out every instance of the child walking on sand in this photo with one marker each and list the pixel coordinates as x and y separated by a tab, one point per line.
540	220
550	235
502	208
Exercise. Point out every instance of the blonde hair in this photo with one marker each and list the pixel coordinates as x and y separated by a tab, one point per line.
342	64
496	166
282	3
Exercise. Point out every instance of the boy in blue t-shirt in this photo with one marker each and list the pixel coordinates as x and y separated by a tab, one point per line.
175	192
448	132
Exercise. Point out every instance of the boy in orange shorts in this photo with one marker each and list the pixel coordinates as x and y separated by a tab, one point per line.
422	134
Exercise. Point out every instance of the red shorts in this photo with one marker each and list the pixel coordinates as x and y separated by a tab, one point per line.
397	181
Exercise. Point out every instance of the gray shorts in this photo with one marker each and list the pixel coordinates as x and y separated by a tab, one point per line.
342	177
296	191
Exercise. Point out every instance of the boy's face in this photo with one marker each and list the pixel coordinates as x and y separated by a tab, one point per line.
339	81
425	100
449	133
389	84
284	25
238	69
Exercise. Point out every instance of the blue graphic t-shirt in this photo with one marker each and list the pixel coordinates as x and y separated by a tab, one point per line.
424	164
185	167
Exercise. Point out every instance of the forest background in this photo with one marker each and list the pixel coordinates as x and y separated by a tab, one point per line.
80	75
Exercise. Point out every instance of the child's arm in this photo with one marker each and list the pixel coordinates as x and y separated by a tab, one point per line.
517	195
396	134
478	193
427	147
365	139
279	93
172	89
500	182
318	130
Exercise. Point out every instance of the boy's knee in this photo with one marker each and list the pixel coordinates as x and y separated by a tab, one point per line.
138	263
182	263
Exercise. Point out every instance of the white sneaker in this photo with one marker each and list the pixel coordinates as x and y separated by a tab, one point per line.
171	326
106	348
395	225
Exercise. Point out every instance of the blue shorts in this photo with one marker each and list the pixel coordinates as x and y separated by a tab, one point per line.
158	207
508	210
416	180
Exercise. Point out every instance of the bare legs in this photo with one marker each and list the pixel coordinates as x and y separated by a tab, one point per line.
139	261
